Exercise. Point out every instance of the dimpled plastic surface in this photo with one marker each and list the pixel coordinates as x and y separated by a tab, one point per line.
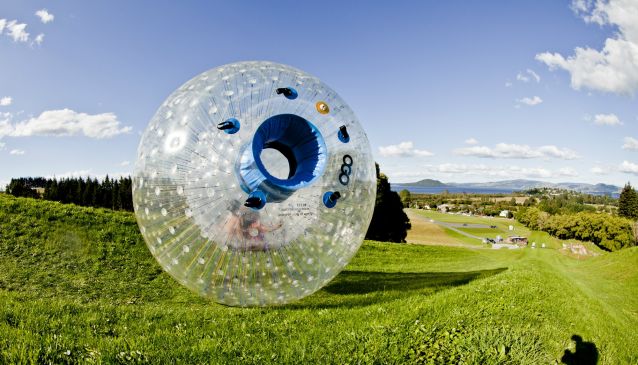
190	185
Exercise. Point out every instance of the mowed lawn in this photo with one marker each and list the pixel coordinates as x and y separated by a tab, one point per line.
77	285
421	227
502	224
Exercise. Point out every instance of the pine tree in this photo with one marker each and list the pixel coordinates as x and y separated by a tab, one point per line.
389	221
628	203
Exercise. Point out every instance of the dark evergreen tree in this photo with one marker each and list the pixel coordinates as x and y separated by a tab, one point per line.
389	221
628	202
126	193
51	190
115	196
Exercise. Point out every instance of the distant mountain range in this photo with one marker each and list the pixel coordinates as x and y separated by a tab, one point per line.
521	184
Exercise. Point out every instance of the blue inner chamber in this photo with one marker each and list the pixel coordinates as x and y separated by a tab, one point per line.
299	141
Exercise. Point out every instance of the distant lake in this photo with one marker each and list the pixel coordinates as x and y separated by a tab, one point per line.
470	190
450	189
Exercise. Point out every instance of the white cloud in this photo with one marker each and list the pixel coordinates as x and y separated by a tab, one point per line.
629	167
630	144
522	77
615	67
16	30
39	39
6	100
501	172
69	174
45	16
16	152
403	149
600	170
2	145
515	151
478	172
534	75
65	122
530	101
527	76
607	119
125	163
508	84
567	171
471	141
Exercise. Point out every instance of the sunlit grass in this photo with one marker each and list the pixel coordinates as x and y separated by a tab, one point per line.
77	285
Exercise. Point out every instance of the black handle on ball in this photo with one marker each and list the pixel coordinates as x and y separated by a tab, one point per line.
225	125
253	202
344	132
284	90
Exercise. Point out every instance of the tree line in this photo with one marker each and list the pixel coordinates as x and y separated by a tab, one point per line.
568	216
606	231
108	193
479	204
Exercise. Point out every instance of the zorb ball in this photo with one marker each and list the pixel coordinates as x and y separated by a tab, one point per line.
254	184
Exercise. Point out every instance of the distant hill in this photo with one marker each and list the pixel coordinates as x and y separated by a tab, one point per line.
521	184
426	183
518	184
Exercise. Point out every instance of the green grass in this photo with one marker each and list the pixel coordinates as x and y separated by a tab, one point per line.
77	285
502	224
463	238
484	232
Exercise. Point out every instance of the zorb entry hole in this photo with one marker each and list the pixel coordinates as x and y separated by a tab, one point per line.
289	151
277	163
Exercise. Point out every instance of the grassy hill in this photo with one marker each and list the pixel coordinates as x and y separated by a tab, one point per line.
77	285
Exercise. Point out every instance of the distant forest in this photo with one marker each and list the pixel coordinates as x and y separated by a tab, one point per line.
109	193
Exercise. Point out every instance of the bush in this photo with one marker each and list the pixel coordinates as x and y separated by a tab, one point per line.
606	231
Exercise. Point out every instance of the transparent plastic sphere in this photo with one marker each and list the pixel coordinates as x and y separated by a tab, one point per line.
254	184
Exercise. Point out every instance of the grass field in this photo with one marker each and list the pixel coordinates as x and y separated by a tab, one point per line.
502	224
77	285
422	228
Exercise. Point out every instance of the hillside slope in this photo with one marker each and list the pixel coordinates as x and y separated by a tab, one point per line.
77	285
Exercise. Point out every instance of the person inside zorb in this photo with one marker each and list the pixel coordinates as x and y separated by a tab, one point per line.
245	229
254	184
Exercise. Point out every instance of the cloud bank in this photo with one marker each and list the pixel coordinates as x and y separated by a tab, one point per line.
65	122
516	151
403	149
607	119
614	68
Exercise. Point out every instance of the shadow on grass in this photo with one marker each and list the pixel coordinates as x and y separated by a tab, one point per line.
361	288
585	353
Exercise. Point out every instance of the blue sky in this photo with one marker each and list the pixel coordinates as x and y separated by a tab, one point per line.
451	90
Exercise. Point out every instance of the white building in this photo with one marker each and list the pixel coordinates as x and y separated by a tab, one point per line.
443	208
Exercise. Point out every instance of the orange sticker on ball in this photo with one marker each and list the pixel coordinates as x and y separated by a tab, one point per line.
322	107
